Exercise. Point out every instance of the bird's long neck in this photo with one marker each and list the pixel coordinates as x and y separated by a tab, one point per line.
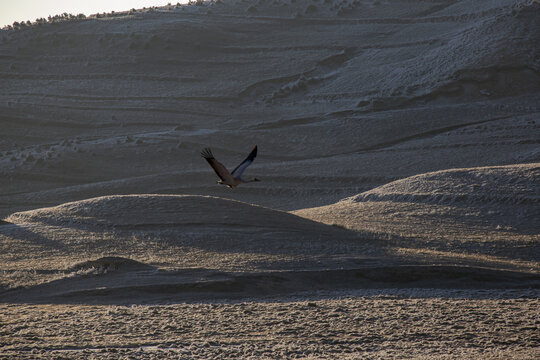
239	180
243	181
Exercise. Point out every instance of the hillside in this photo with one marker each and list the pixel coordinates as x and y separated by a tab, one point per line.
397	212
340	96
483	213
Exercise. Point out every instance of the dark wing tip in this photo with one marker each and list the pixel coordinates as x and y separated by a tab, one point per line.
207	153
252	154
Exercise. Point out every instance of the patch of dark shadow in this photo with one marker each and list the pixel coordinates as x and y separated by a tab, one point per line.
227	286
24	234
2	222
522	250
111	263
141	293
272	283
447	276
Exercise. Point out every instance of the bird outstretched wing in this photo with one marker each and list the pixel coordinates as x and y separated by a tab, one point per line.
220	170
237	172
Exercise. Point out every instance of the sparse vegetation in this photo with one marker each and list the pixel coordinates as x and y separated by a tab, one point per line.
64	17
42	21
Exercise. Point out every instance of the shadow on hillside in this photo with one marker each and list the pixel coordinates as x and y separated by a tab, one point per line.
30	237
153	286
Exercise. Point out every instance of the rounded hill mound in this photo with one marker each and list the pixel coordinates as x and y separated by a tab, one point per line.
475	211
137	211
178	231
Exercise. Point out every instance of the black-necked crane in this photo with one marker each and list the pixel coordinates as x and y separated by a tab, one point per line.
234	178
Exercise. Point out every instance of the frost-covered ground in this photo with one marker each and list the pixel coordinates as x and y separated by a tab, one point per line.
397	214
436	325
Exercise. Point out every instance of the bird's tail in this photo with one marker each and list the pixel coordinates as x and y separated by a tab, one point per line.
207	153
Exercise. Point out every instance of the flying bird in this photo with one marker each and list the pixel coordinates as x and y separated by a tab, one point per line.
234	178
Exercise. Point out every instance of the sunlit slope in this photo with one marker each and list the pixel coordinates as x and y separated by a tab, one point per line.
171	231
488	211
133	248
341	97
